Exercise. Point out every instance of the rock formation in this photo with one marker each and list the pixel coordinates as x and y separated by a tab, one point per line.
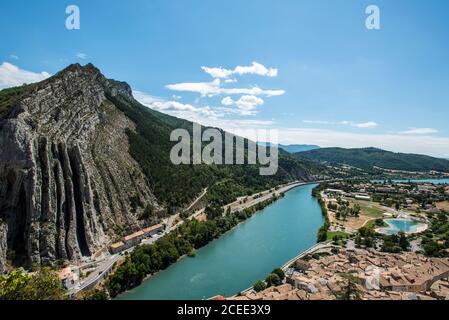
66	178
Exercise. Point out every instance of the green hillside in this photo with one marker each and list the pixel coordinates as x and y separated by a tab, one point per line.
177	185
369	158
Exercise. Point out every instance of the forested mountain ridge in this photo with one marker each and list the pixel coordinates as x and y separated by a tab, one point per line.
83	163
369	158
292	148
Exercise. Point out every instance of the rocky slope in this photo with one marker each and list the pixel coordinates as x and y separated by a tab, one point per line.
83	163
65	182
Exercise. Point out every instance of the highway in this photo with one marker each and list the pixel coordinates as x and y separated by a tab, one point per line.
106	265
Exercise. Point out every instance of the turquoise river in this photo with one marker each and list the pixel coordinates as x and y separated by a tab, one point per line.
242	256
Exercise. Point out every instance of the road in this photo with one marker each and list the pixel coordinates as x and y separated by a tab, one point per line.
169	222
260	197
316	247
107	264
97	275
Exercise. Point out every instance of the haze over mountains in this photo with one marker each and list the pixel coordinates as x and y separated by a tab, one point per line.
293	148
368	158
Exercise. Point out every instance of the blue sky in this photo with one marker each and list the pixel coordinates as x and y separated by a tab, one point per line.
321	76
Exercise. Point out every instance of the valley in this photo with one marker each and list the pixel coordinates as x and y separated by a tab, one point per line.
96	191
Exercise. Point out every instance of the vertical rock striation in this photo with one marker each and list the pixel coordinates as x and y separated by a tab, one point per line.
66	178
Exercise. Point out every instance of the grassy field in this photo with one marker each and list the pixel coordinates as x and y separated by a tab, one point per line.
331	235
369	208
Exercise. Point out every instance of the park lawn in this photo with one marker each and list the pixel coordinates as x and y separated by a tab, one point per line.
372	224
369	209
331	235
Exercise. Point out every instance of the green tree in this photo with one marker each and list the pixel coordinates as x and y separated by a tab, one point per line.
40	285
432	249
350	289
279	272
96	295
273	280
259	286
403	241
356	210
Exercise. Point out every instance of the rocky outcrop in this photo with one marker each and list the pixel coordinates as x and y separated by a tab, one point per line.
67	181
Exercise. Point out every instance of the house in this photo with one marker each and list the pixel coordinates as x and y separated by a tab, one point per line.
336	191
134	239
117	247
302	265
151	231
69	278
362	197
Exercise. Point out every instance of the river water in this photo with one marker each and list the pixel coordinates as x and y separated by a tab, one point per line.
242	256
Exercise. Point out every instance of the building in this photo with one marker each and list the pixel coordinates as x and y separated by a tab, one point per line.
302	265
362	197
335	191
414	278
134	239
117	247
69	278
151	231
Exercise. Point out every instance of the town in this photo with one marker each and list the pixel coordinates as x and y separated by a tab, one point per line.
382	240
330	273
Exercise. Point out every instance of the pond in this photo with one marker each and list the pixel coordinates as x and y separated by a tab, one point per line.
407	226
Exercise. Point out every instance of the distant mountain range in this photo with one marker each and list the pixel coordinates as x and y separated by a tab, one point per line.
293	148
368	158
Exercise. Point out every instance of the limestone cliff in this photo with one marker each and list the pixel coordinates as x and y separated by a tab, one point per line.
67	181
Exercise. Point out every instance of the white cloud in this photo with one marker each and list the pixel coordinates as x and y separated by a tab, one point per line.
81	55
211	89
238	125
230	80
206	115
255	68
419	131
254	91
366	125
14	57
217	72
185	111
361	125
13	76
258	69
246	105
227	101
203	88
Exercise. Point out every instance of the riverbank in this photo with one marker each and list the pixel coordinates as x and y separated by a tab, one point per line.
188	237
242	255
316	193
286	266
